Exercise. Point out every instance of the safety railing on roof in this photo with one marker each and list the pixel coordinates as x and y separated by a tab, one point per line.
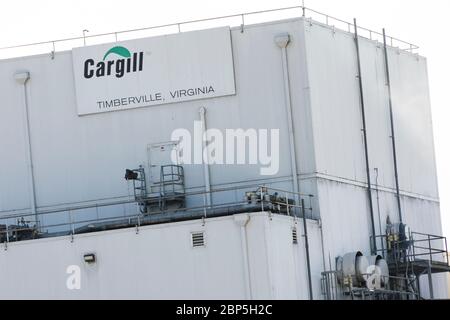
88	218
418	247
232	20
332	289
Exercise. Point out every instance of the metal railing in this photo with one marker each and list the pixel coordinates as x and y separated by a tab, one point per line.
239	20
332	289
78	219
419	247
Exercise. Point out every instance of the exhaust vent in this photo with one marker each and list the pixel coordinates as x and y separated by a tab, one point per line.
198	239
294	236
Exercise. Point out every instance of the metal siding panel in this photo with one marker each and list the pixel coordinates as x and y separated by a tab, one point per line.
335	103
377	113
82	159
413	124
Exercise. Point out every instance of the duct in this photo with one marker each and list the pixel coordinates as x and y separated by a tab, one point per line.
23	78
282	41
383	269
352	267
202	112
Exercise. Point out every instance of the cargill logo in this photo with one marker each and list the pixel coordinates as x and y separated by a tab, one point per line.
116	61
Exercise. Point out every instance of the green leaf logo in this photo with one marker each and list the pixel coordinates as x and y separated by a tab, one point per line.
121	51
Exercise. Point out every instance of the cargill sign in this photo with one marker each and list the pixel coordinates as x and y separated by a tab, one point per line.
153	71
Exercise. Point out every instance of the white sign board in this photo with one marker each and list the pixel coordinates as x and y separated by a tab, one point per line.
153	71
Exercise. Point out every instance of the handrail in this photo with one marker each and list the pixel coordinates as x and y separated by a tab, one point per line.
333	290
406	46
429	249
136	216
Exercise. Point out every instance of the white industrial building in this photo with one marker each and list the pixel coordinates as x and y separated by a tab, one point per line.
346	112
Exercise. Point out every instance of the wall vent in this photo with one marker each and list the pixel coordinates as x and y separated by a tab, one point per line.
294	236
198	239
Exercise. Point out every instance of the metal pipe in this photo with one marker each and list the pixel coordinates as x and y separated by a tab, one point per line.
308	263
430	281
378	210
23	78
84	36
242	221
373	245
269	260
206	175
418	286
391	115
282	42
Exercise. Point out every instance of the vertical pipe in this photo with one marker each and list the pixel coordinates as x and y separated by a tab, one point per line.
206	176
269	256
308	263
282	42
242	221
373	242
246	264
418	286
378	211
446	251
391	115
23	78
430	281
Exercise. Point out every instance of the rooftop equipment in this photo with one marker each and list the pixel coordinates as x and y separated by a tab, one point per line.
171	188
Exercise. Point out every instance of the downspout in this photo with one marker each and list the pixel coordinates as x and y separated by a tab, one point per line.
282	42
242	221
202	112
373	242
391	115
23	78
308	263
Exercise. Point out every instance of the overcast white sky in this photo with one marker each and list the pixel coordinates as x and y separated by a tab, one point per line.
421	22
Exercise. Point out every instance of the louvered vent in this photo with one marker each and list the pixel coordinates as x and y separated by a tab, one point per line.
294	236
198	239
